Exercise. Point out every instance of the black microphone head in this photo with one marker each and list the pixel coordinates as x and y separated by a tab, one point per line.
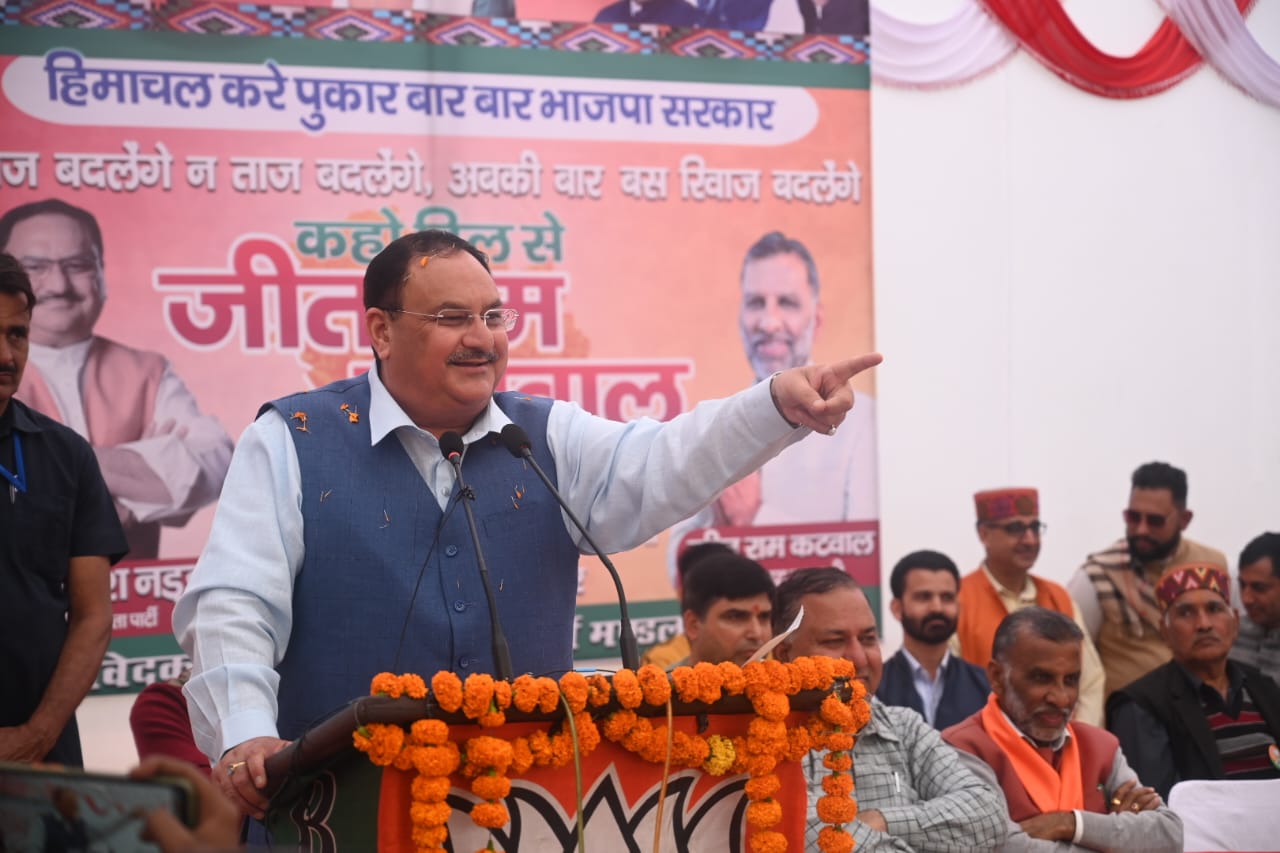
451	444
515	439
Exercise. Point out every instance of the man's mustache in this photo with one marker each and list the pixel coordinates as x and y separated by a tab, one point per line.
486	356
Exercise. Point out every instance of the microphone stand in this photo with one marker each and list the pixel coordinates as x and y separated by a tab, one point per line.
517	442
452	450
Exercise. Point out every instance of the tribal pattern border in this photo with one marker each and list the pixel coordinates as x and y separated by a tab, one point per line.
401	25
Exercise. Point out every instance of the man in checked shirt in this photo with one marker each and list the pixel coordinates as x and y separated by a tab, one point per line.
913	793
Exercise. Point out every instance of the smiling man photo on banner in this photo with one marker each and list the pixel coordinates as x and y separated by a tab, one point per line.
282	627
161	456
779	316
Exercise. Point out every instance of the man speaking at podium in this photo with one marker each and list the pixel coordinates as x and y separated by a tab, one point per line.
338	549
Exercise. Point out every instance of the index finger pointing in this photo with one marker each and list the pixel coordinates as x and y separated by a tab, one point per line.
849	368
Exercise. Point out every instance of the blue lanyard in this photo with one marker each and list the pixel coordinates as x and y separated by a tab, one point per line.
19	480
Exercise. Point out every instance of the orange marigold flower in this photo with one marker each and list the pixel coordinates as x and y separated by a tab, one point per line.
521	756
619	723
525	692
627	688
447	688
685	682
477	694
404	759
430	789
804	670
710	681
502	695
413	686
588	733
761	765
836	809
598	690
771	705
429	732
540	748
382	742
436	760
763	788
573	686
832	839
561	750
654	684
732	679
839	741
486	752
425	836
836	712
763	814
838	761
489	815
386	684
768	842
838	784
843	668
490	787
798	744
548	695
430	814
769	735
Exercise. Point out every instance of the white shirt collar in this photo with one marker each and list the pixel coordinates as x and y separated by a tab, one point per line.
386	416
917	669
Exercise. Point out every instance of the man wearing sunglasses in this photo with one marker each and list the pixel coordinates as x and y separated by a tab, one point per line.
1010	528
1115	587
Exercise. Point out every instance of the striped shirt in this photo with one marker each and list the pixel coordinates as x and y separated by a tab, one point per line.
1239	731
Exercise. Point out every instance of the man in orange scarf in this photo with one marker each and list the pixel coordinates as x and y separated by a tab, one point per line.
1062	781
1010	528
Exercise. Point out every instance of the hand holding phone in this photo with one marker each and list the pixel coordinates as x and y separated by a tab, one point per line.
216	824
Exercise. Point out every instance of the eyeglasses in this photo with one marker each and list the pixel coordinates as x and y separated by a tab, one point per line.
1017	529
1154	520
460	318
79	266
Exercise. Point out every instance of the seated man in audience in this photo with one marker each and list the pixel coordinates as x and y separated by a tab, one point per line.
670	652
1200	716
923	675
1259	642
913	793
1114	589
1063	781
1010	528
727	601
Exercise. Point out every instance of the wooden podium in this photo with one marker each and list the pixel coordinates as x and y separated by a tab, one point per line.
328	797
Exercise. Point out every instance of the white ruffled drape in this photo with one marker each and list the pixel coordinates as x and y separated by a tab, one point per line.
1218	31
972	42
945	53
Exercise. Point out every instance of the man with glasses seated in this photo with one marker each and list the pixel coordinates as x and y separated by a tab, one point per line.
339	548
162	458
1115	588
1010	528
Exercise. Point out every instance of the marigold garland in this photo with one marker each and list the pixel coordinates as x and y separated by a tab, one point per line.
491	761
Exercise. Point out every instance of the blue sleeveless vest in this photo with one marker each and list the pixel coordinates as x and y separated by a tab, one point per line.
374	534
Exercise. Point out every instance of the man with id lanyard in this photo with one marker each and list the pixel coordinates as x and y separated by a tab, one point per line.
59	535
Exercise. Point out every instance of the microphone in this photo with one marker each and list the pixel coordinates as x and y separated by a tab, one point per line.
451	446
516	440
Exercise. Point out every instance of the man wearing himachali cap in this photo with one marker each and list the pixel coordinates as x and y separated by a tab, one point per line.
1009	528
1200	716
